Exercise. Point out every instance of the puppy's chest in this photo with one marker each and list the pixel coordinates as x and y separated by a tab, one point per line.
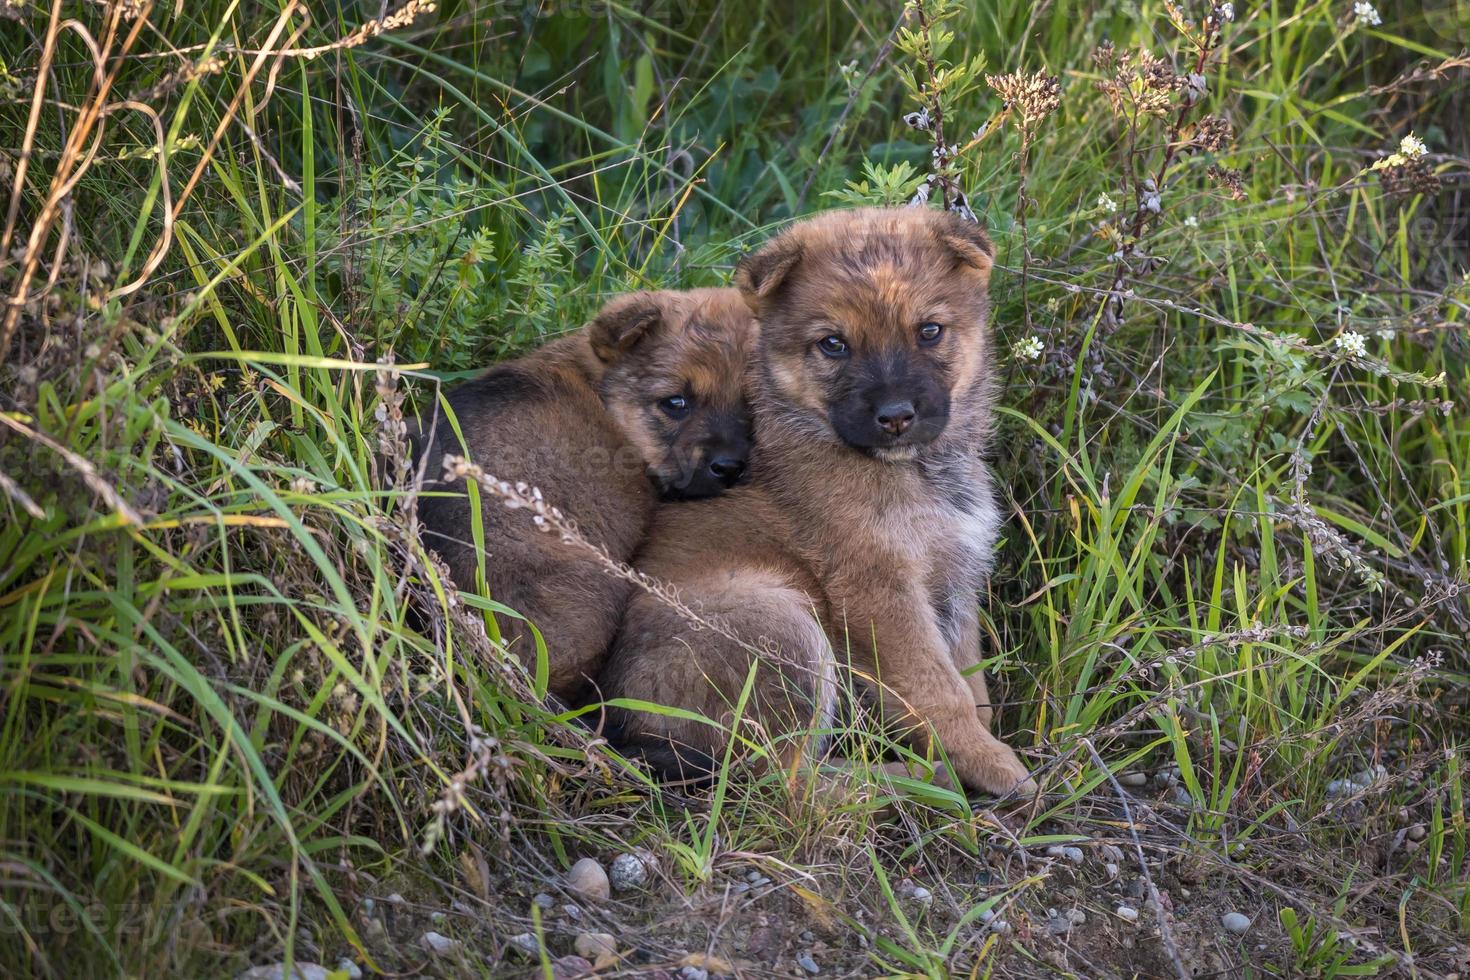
943	538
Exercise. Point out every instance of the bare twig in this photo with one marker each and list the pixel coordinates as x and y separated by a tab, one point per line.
1165	933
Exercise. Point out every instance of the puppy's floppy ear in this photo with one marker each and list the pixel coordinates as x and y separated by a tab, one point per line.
967	240
761	273
623	322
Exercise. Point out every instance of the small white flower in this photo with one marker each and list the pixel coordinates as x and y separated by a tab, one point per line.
1191	222
1367	14
1054	305
1107	203
1027	350
1385	333
1352	343
303	485
1412	146
919	120
1227	12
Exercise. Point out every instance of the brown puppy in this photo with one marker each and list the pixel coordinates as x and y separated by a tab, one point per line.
870	507
645	401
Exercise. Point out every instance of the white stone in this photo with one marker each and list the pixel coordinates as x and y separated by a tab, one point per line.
277	971
588	881
595	945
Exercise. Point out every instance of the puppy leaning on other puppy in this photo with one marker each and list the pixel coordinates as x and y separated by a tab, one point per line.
870	506
646	401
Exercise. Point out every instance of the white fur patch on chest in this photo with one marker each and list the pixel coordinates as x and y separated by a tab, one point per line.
975	528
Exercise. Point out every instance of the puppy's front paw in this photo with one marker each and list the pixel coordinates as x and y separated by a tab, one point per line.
1005	775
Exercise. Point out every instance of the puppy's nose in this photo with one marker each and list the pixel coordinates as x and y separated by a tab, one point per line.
896	417
727	469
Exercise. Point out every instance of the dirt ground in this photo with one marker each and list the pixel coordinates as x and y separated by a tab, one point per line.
1075	903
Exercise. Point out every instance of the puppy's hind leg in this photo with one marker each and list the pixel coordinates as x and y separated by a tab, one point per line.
767	641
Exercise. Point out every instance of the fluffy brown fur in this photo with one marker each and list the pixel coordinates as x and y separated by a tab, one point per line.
645	401
870	507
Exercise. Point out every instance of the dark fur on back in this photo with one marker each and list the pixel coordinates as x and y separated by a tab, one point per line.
580	418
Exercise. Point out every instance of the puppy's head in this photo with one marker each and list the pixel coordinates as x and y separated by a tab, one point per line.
674	382
872	325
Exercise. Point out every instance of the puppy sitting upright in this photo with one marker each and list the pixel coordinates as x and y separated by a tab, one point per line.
645	401
870	506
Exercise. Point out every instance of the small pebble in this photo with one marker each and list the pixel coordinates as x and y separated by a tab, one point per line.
921	895
1000	927
396	899
808	964
1182	797
1133	779
440	945
807	936
588	881
543	901
1111	869
986	916
629	871
1418	832
526	944
595	945
1357	782
437	918
1127	912
753	877
1072	854
1236	923
573	912
1060	923
277	971
569	967
693	973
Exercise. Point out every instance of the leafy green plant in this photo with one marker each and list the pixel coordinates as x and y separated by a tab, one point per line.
1323	953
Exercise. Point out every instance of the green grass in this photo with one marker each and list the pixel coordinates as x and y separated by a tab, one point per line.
234	687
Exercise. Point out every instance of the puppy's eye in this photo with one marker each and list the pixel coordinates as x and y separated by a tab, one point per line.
930	333
833	346
674	406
